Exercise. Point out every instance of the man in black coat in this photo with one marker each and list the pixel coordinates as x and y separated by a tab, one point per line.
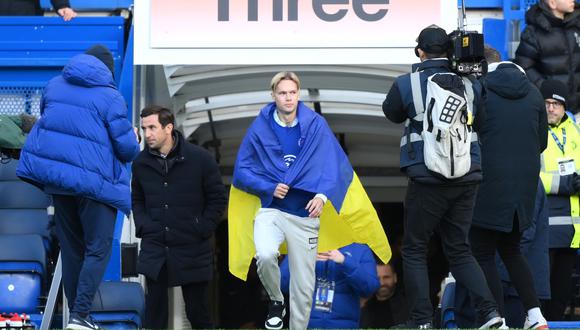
33	8
550	46
512	139
178	201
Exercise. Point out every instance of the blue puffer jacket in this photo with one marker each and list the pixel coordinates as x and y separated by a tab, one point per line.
356	277
83	139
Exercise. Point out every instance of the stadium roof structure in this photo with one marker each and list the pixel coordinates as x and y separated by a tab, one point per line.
214	105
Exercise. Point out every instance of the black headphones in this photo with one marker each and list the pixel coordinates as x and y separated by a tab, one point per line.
417	50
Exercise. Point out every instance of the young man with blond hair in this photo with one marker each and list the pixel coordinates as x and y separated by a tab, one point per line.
287	213
288	166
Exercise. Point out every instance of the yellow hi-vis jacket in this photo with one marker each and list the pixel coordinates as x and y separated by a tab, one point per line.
563	146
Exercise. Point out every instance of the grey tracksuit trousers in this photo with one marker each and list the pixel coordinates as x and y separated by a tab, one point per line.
271	228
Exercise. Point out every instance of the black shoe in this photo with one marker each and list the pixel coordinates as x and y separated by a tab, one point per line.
410	324
276	313
492	320
76	322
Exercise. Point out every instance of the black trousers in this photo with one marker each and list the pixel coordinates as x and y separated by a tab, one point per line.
196	300
450	208
562	263
484	244
84	228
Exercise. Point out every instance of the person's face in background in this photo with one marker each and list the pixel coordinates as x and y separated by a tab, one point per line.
561	7
156	136
565	6
555	111
388	281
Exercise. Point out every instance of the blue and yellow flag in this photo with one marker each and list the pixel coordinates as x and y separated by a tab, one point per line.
321	167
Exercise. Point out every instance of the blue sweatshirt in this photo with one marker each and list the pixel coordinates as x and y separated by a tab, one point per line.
290	140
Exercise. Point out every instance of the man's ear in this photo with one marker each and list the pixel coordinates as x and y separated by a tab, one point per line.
420	54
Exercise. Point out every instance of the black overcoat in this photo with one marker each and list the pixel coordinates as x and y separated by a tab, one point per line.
177	204
550	49
512	138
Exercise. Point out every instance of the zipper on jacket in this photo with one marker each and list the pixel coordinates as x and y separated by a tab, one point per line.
451	157
165	166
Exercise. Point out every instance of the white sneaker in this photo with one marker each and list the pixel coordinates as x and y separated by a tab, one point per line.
503	324
78	323
276	313
494	321
541	324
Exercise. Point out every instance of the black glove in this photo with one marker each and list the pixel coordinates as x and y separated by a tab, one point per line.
576	183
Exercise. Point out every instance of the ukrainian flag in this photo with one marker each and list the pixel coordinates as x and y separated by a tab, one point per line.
321	167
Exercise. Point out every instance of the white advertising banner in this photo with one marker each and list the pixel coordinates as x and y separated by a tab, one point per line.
284	31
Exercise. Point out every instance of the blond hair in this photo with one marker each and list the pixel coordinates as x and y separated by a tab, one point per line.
284	75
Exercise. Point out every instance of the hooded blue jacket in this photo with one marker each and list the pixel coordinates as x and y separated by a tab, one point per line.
83	139
356	277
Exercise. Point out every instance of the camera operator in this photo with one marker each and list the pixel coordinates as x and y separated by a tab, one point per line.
433	201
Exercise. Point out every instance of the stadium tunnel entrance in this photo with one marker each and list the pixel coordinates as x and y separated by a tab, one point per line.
214	105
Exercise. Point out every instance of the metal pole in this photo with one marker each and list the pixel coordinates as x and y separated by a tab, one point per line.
462	17
52	295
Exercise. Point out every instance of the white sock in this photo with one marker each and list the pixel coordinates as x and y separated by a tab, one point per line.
535	315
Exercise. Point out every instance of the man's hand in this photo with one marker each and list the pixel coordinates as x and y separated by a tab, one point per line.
67	13
281	190
333	255
315	206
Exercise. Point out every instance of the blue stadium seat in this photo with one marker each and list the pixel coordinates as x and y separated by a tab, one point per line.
498	32
89	5
564	324
8	171
119	305
23	207
19	195
30	56
24	221
22	267
448	307
16	194
24	242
